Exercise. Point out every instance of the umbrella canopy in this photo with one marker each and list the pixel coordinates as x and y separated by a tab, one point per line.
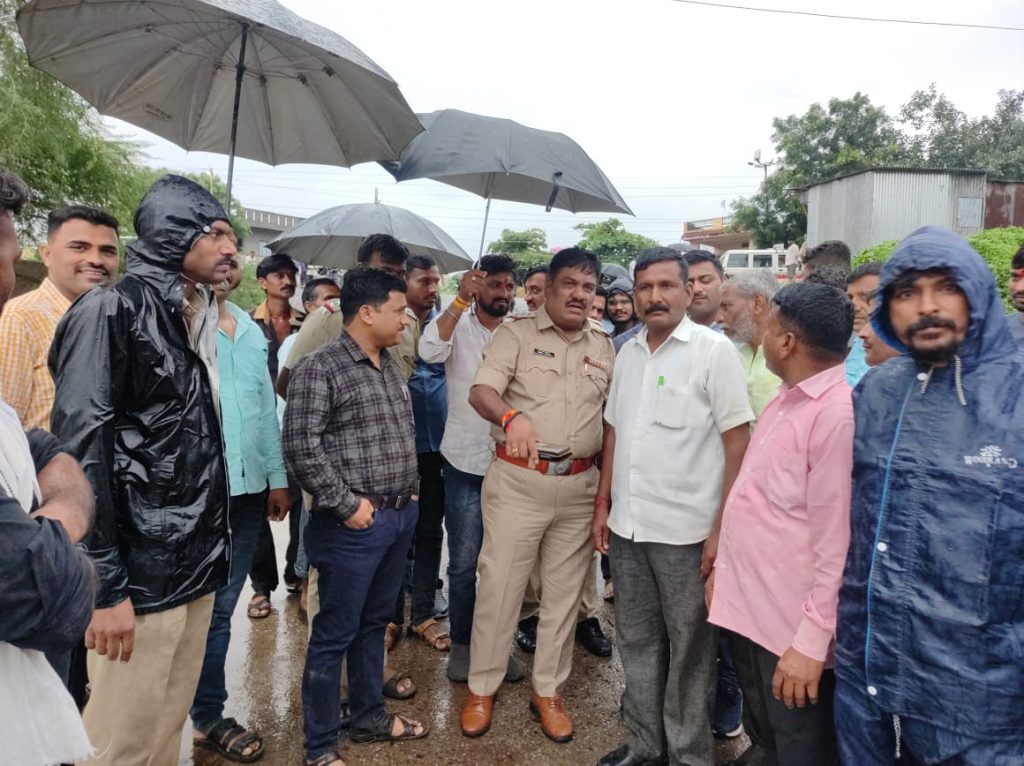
501	159
333	236
202	72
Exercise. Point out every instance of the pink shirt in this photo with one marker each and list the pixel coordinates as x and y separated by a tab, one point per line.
786	525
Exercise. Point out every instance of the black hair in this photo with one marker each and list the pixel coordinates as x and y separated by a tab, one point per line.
540	268
910	276
869	269
95	216
833	252
309	291
653	255
275	263
1018	259
367	287
820	316
390	249
575	258
497	264
693	257
601	292
829	275
420	261
14	193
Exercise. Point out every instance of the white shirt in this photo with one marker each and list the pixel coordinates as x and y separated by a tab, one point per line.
467	442
669	410
792	255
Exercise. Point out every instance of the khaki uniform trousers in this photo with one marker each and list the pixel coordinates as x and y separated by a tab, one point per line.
137	710
589	604
530	520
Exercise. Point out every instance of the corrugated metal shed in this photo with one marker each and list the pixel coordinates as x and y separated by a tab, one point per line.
1005	204
866	208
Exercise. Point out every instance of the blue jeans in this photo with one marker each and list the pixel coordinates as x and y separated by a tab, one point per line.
359	572
464	522
246	514
867	737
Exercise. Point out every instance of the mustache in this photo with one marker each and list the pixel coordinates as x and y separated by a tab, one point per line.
930	322
655	307
577	304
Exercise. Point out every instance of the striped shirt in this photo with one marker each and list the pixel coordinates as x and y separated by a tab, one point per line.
27	326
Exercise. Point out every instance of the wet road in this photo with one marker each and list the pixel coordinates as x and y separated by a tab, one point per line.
264	669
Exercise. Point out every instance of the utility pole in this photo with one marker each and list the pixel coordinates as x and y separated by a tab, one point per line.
763	165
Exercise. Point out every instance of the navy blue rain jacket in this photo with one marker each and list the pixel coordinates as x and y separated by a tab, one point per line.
931	610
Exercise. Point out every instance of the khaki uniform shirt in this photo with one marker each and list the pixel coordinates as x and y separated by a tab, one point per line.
324	326
560	385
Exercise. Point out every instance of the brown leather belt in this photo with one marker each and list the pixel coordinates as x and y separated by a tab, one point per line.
567	467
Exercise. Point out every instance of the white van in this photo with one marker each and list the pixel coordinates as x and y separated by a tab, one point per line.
735	261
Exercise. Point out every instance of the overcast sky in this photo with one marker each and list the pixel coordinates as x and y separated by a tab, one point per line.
670	99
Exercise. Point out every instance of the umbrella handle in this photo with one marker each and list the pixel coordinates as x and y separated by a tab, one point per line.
556	180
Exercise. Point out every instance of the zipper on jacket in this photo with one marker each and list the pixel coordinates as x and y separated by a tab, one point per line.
878	526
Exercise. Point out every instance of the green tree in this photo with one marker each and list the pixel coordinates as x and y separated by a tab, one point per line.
611	242
773	214
527	247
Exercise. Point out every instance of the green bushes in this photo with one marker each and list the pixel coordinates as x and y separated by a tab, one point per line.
996	246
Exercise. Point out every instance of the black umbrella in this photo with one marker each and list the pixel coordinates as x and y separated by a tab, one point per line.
501	159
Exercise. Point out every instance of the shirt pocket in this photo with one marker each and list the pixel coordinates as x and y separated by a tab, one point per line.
540	376
677	406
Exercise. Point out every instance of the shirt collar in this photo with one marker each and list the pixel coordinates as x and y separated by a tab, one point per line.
816	385
682	332
262	313
51	292
545	322
356	352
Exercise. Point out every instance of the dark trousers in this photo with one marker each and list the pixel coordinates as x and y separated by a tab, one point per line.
245	514
667	648
359	572
426	548
867	737
263	572
789	737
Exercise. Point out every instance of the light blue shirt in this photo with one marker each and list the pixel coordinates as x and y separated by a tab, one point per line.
248	406
856	363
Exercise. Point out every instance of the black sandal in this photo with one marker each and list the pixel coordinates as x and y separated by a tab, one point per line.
364	736
326	759
391	690
229	740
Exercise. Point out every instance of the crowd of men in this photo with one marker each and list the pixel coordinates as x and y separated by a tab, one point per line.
831	553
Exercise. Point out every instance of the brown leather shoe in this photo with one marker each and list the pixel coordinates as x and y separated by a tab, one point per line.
476	714
555	722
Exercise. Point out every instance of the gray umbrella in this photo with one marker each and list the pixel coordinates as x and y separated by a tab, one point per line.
332	237
195	71
501	159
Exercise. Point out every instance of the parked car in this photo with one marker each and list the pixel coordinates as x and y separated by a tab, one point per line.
735	261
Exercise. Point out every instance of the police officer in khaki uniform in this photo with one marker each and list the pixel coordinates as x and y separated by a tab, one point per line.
543	384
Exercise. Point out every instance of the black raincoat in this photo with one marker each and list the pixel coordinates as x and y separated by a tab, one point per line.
134	404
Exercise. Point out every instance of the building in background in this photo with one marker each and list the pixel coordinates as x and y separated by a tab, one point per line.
715	235
264	227
871	206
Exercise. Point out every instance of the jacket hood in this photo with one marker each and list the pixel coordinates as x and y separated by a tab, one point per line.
930	247
172	214
621	285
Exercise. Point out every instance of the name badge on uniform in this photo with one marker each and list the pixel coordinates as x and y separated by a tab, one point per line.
542	352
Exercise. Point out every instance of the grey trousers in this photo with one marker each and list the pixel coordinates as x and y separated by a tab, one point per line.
667	649
798	737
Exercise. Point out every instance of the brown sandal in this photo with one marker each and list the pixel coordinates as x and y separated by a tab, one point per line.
433	635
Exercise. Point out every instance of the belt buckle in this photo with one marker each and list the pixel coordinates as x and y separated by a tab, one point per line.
560	468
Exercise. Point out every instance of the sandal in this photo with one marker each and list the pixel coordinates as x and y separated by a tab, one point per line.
259	607
332	756
408	732
229	740
391	635
433	635
391	689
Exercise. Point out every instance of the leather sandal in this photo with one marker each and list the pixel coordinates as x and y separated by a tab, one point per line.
408	732
433	635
